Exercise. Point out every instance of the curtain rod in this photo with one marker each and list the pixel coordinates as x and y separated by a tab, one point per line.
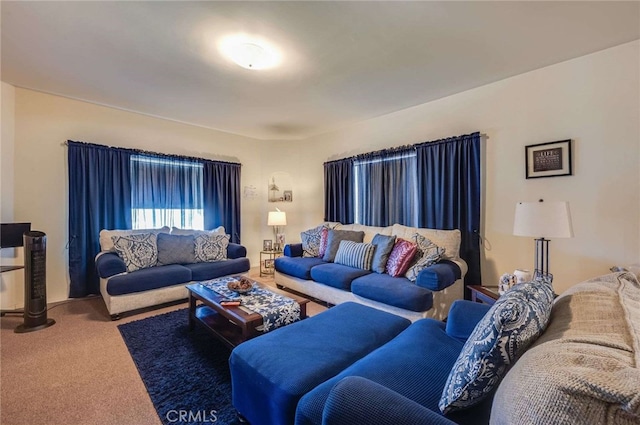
401	148
145	152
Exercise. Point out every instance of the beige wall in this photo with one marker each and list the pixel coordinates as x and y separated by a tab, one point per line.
11	283
44	122
592	100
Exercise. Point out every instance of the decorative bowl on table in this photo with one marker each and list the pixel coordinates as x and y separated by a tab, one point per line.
241	285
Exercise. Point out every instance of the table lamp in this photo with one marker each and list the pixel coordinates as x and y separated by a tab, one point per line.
276	219
543	220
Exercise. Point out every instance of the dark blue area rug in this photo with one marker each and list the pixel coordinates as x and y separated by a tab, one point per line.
186	372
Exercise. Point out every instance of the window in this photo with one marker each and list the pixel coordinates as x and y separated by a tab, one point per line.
385	189
166	192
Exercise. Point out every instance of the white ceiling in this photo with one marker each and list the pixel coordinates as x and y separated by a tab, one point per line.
343	62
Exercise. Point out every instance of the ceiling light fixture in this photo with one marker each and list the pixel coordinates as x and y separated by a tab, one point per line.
249	53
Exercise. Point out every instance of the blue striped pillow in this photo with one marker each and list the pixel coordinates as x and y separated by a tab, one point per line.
354	254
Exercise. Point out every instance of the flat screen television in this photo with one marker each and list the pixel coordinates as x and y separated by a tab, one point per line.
11	234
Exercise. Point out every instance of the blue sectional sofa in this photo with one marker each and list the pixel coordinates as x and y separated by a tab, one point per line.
431	295
124	290
572	360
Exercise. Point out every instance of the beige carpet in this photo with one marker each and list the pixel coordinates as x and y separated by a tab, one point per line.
76	372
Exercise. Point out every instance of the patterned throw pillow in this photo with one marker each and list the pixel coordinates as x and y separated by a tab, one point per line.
384	246
106	236
427	254
324	238
176	249
354	254
512	324
400	257
311	241
138	251
211	247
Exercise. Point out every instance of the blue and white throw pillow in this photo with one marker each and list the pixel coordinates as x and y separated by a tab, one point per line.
512	324
138	251
311	241
354	254
428	254
211	247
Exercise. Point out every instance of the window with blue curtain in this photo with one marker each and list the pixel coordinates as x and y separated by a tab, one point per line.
118	188
432	184
166	192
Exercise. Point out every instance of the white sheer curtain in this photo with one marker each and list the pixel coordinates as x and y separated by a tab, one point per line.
385	189
166	192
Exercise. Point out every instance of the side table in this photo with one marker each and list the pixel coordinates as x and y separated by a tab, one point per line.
484	294
267	259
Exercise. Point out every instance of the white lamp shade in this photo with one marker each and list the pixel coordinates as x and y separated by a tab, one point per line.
277	218
543	220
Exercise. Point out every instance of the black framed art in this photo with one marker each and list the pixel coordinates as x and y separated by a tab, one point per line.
551	159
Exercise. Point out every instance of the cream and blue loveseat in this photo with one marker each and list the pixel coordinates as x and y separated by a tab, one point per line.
143	268
422	292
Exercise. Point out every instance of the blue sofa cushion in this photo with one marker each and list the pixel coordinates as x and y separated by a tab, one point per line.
299	267
109	264
395	291
356	400
384	246
270	373
406	365
439	276
511	325
463	317
337	275
146	279
206	271
176	249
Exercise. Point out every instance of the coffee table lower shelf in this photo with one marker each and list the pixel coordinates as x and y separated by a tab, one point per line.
221	327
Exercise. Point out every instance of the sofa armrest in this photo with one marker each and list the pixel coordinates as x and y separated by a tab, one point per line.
235	250
356	400
293	250
463	317
109	264
439	276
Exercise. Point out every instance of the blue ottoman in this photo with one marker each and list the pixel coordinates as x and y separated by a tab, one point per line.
269	374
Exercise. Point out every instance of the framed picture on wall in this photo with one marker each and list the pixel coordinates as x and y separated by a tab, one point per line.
550	159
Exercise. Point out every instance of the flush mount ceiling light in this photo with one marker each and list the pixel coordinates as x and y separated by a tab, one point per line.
249	53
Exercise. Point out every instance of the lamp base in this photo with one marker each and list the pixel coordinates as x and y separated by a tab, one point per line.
542	256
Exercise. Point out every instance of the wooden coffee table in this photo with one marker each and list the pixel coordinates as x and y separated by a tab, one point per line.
231	324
